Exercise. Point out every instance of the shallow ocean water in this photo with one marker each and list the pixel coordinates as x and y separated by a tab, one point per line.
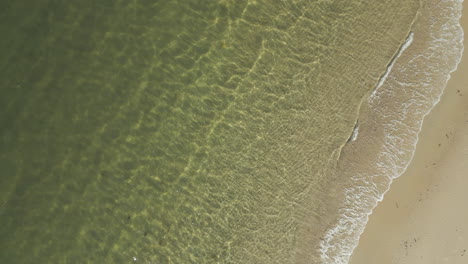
181	131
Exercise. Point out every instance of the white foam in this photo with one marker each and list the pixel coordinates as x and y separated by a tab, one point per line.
403	47
355	134
435	62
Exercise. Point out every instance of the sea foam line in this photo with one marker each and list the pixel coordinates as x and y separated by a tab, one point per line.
402	48
363	196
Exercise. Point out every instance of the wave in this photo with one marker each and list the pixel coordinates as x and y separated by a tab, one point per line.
389	126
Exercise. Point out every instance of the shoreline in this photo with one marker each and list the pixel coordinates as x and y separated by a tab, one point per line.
414	222
392	120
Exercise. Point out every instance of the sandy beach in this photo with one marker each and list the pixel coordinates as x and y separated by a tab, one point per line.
424	216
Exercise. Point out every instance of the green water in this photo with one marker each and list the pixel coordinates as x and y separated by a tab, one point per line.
180	131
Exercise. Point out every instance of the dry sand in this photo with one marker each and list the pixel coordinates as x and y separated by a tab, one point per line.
424	216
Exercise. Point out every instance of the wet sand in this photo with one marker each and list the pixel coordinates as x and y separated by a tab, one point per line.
424	216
